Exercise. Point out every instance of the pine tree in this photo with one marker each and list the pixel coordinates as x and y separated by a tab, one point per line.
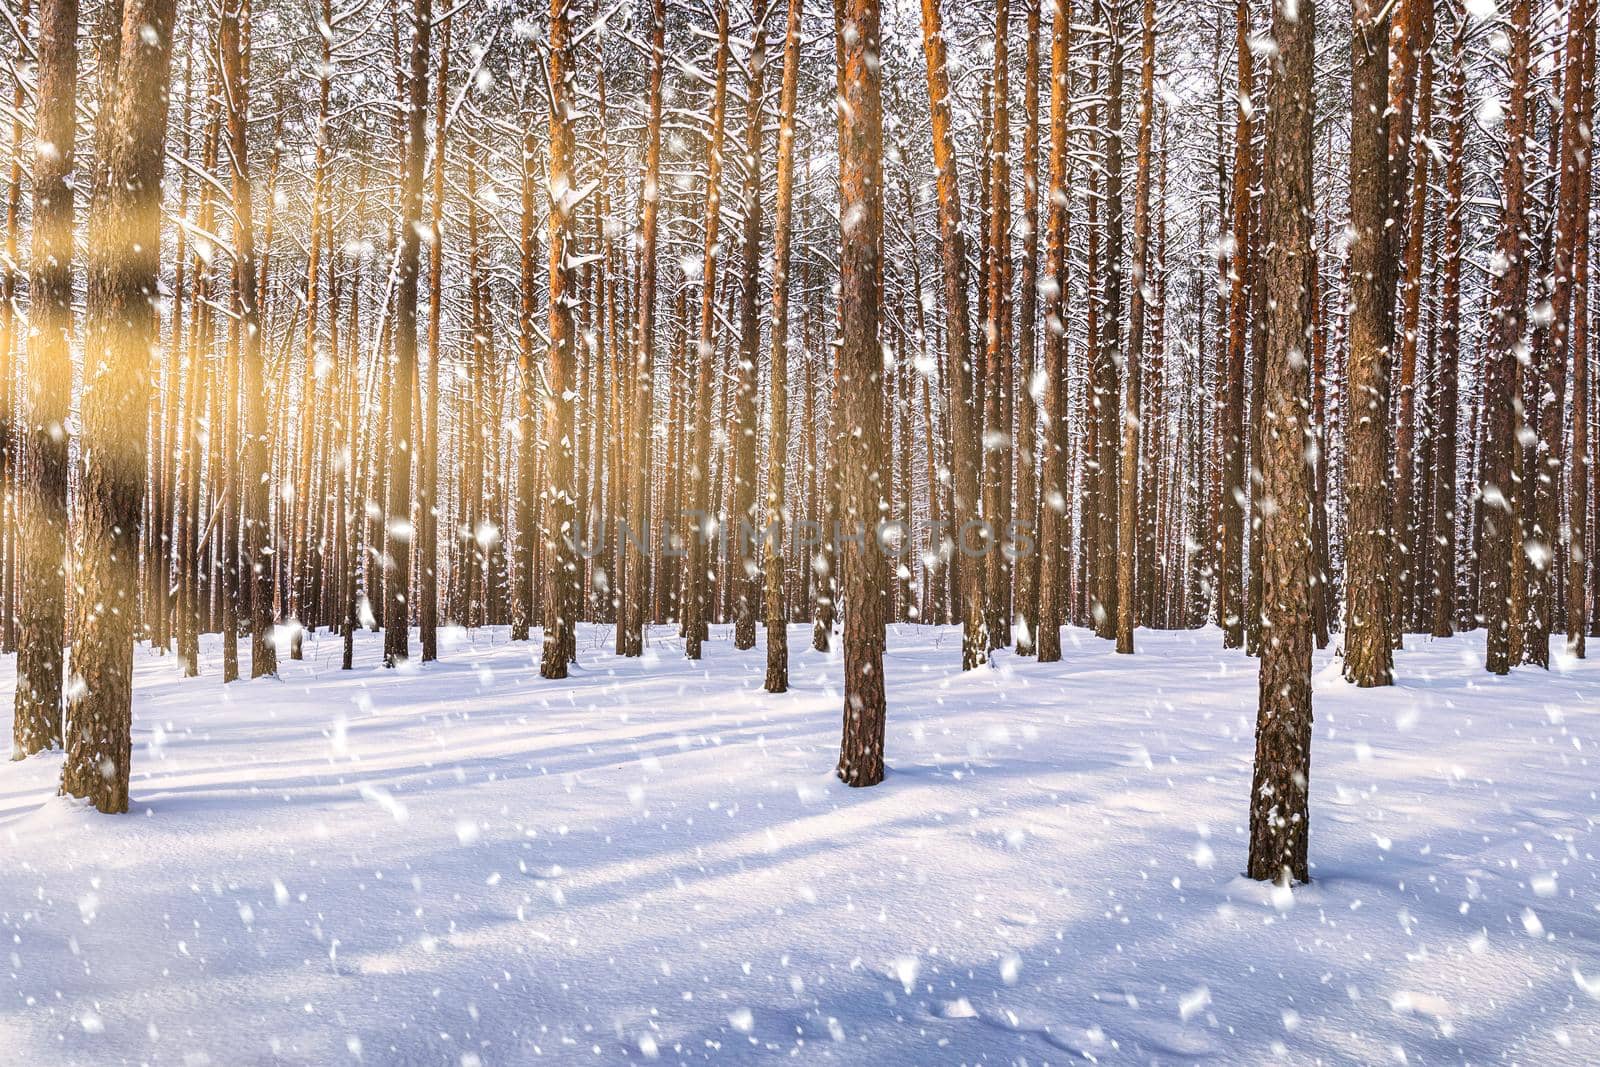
1279	815
42	484
1368	657
861	396
122	327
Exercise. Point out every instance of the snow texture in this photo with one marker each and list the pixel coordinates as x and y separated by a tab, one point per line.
463	864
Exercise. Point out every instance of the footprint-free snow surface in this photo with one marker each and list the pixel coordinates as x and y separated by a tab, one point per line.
460	863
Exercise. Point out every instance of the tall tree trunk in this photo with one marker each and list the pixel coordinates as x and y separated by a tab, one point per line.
1368	656
1580	534
778	507
1230	590
1500	542
1108	349
401	442
42	485
9	452
1573	178
1026	566
428	495
1128	499
632	620
122	328
997	328
1053	514
254	500
975	638
561	606
1278	795
1447	373
746	575
861	399
705	356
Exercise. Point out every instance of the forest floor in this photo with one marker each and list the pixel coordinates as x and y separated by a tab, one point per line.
464	864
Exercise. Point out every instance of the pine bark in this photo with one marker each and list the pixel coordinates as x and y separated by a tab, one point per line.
42	481
1128	534
861	398
561	605
1368	656
975	638
1446	371
1279	815
778	507
122	328
636	563
1508	320
1053	512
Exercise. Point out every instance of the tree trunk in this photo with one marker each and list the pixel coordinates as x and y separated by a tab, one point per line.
861	399
561	606
1368	656
1128	498
1054	510
1500	357
778	508
975	638
122	328
42	485
1278	808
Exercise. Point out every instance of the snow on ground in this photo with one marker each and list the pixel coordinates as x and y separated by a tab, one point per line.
464	864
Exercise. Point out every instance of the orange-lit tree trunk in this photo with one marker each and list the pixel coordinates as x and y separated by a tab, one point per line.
42	485
561	602
778	507
975	638
1025	567
123	327
1054	498
401	442
636	563
428	487
705	356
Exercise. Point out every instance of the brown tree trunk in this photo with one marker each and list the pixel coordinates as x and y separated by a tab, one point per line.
42	485
428	494
561	606
861	399
254	499
1128	498
1231	608
699	558
975	638
778	508
1278	809
1026	565
1579	534
401	442
1447	372
631	622
745	576
122	328
1500	542
1368	656
1053	512
10	544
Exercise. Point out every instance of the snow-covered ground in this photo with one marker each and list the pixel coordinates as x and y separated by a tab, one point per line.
465	864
